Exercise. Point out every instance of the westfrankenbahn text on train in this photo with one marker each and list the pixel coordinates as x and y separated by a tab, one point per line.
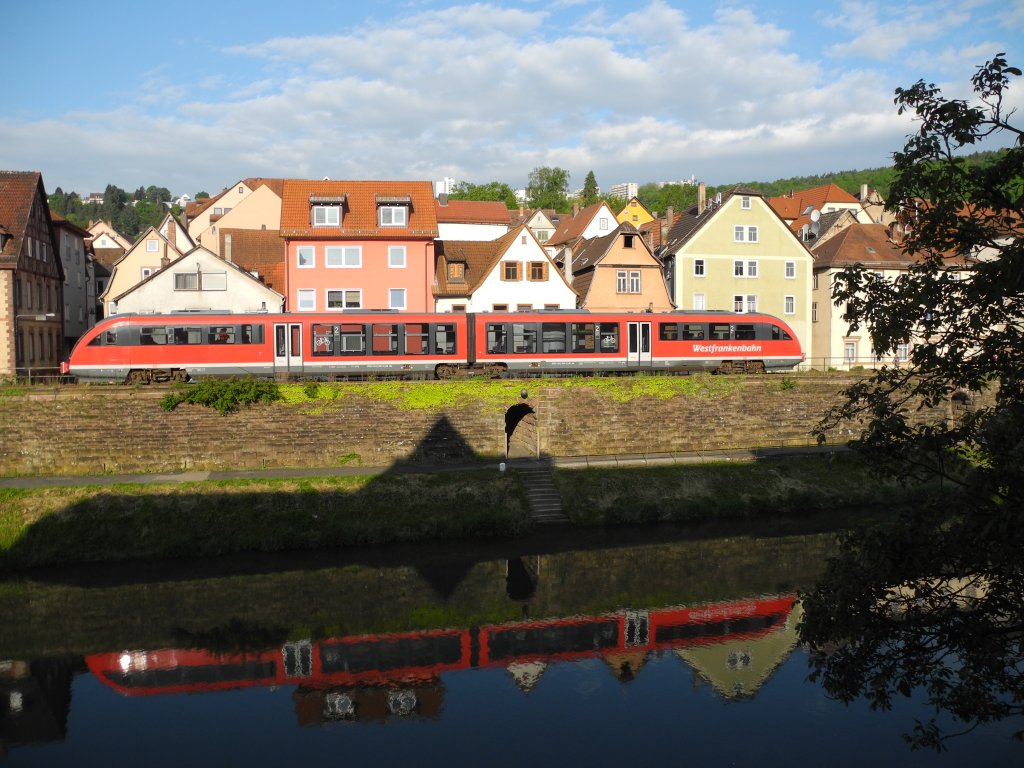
185	346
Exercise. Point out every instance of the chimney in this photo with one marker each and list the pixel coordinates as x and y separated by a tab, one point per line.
666	225
701	198
164	261
567	264
442	199
575	210
863	193
171	235
227	248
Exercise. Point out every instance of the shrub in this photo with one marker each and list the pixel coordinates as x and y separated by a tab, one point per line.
226	395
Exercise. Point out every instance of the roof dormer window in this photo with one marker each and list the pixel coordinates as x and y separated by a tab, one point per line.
393	210
326	215
325	211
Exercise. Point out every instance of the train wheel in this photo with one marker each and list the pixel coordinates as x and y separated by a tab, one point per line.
445	371
757	366
179	374
138	377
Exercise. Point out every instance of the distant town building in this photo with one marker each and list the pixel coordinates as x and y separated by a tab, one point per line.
445	186
626	190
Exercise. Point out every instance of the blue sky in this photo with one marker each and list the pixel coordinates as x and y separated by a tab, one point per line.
196	97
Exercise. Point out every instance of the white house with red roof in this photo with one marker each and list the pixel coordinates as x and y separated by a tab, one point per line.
801	210
512	273
471	219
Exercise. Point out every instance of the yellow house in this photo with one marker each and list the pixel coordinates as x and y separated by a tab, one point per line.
226	211
735	253
635	213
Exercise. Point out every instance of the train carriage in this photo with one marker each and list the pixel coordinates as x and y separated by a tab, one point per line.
144	348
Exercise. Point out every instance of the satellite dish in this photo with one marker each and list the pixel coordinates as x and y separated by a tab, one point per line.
815	214
815	226
718	199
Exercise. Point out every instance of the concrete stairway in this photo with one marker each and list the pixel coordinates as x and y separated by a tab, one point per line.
545	502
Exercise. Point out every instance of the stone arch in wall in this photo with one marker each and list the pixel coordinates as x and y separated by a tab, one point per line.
521	432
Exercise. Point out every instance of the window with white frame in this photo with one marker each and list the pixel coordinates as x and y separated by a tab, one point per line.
698	301
186	281
741	268
344	298
343	256
305	256
152	246
850	351
902	353
738	233
621	281
814	281
698	268
814	311
396	256
634	281
396	298
789	305
791	270
745	202
393	215
751	234
744	303
603	223
146	272
306	299
326	215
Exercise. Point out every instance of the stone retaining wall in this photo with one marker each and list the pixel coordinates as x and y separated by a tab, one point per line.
92	430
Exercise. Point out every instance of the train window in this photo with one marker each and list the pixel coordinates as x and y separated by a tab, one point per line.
385	339
444	339
745	332
221	334
583	335
152	335
720	331
553	337
323	339
252	334
668	331
779	333
693	331
188	335
609	333
417	338
524	338
497	339
352	339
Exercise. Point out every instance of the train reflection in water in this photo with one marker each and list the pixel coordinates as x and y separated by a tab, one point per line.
734	646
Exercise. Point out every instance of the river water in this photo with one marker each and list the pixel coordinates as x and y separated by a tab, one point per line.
663	646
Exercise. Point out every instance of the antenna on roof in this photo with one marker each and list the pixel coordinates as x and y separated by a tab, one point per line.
815	214
804	230
718	199
815	227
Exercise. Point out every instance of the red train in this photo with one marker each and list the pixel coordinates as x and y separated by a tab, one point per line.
419	658
144	348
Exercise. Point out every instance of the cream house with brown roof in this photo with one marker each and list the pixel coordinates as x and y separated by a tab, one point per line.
151	252
226	210
512	273
616	273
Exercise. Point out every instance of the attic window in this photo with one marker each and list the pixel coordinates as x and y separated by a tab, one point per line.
627	241
456	272
326	215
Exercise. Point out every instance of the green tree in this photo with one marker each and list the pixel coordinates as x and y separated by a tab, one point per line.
657	199
933	600
494	191
591	192
548	188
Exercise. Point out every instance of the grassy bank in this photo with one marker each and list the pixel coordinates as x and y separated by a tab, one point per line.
119	522
726	490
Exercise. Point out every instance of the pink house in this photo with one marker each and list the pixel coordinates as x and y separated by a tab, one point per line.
358	245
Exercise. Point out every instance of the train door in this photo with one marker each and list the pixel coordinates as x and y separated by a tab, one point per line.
288	347
639	349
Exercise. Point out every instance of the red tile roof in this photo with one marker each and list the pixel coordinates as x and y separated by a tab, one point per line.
257	250
359	216
866	244
571	228
17	194
794	206
472	212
